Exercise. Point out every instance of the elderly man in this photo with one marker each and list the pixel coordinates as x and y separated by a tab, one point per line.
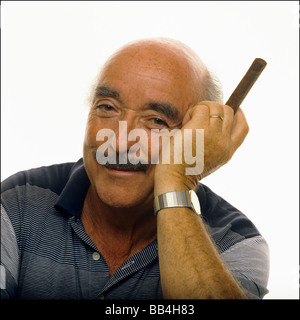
124	230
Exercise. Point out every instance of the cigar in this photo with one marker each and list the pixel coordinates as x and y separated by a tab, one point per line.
241	91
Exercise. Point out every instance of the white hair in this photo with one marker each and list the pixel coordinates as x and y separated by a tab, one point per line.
212	88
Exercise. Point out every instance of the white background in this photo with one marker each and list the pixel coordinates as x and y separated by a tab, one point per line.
52	51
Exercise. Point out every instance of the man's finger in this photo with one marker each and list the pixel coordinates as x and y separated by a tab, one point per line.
228	120
199	115
240	128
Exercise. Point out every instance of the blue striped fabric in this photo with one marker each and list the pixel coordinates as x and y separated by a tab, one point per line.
47	254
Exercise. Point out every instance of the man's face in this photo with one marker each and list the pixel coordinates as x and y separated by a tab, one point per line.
147	89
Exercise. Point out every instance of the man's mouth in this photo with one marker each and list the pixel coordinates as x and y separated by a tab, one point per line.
127	167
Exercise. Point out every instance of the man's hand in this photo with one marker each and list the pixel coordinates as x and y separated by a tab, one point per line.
222	136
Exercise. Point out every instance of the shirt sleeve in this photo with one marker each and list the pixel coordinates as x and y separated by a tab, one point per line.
248	261
9	258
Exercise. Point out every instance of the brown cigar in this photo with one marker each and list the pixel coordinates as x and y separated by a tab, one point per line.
241	91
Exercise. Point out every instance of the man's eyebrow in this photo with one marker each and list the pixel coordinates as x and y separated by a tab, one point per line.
105	91
166	109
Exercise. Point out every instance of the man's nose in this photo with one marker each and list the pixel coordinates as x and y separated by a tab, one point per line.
122	137
126	125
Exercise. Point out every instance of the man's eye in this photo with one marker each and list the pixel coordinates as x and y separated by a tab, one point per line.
105	107
160	122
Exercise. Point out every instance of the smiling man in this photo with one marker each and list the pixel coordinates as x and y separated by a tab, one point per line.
126	230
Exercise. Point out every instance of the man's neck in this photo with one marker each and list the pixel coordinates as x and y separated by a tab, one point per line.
118	233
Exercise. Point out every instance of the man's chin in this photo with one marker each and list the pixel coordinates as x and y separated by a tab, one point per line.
119	198
123	189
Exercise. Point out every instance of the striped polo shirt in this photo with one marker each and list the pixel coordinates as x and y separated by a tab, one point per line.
46	253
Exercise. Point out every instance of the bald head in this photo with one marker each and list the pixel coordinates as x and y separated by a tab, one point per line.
171	57
162	51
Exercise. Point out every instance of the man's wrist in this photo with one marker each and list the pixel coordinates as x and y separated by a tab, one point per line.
168	187
172	181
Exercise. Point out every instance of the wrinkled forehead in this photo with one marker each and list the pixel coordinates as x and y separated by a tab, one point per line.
152	67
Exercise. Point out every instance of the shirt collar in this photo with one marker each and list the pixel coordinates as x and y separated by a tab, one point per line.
73	194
